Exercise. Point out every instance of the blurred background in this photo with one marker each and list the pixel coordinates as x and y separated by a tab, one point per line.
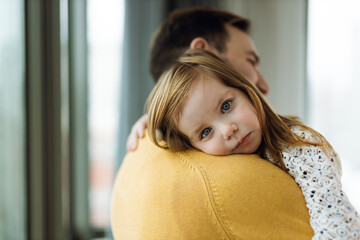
74	78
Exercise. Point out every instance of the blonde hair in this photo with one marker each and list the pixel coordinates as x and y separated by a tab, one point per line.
166	101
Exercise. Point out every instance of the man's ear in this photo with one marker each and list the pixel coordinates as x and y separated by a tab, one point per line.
201	43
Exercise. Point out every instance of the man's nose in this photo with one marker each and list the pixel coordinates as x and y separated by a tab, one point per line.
229	130
262	85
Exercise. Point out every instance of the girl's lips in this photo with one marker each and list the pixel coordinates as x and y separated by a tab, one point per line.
243	141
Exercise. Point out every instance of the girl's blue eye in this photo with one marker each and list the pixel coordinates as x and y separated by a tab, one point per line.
205	132
226	106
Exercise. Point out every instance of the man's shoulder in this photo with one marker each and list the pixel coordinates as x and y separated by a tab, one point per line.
194	195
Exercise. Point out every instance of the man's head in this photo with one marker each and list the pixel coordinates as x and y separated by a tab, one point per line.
220	32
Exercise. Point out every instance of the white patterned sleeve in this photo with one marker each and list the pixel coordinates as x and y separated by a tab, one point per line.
319	176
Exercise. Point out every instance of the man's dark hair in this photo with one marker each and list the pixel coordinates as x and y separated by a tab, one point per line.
182	26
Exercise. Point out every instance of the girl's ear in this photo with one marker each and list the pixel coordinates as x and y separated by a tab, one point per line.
201	43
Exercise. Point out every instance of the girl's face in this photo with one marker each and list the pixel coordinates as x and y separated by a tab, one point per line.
219	120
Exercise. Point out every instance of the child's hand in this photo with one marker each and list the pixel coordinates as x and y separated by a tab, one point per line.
137	131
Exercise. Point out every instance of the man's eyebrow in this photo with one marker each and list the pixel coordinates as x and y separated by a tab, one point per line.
255	55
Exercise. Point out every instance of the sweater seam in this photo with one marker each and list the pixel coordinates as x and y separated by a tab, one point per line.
218	213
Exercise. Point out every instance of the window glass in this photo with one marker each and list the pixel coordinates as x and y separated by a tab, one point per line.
334	82
105	30
12	121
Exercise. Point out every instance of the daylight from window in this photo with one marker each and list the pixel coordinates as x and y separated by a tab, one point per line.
334	83
105	29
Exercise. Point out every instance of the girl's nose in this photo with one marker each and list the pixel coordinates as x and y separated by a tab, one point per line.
230	130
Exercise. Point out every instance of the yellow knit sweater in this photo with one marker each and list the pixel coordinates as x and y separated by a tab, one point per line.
159	194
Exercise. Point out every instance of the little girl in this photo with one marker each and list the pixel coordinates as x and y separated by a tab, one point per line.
203	103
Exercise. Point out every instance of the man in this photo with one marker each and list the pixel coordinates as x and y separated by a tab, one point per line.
159	194
220	32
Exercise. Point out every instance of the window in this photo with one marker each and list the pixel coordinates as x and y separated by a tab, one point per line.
334	86
12	121
105	29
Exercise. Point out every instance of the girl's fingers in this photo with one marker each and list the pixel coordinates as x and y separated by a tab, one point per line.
137	131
